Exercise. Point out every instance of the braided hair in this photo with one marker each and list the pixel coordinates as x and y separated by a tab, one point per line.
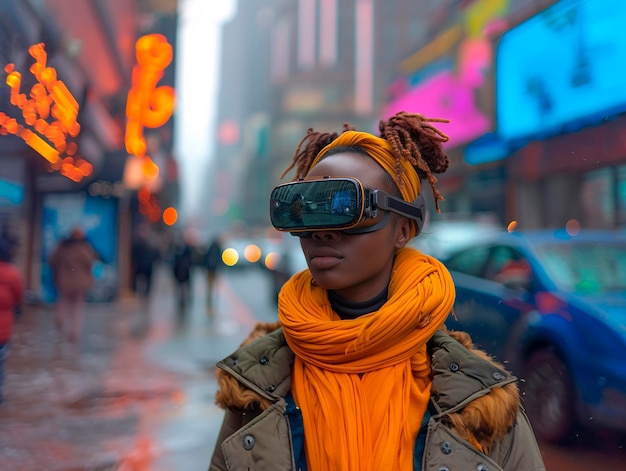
412	137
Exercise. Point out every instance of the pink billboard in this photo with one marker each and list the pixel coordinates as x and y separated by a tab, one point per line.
445	96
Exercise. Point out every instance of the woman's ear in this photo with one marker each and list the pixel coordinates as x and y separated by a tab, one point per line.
403	232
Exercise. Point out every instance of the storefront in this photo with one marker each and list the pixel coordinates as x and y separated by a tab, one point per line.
580	175
56	134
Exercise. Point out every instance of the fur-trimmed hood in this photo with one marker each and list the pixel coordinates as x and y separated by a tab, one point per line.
471	393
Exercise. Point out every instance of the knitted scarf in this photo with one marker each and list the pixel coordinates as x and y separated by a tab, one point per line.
363	384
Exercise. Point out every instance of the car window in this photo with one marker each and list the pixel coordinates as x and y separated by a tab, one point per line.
470	261
507	265
502	256
592	268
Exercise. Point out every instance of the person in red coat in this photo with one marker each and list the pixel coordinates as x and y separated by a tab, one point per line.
11	295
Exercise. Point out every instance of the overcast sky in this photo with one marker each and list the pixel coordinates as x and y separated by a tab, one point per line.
196	82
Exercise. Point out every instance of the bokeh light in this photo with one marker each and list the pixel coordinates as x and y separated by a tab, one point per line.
512	226
230	257
271	260
252	253
572	227
170	215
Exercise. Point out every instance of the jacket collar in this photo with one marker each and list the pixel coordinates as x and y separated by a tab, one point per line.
460	375
263	365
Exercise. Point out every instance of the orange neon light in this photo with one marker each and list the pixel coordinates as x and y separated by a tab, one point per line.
170	215
148	105
150	169
148	205
47	99
41	146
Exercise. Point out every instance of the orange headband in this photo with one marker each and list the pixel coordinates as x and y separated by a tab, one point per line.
381	151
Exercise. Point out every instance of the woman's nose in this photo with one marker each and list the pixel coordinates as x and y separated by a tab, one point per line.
324	235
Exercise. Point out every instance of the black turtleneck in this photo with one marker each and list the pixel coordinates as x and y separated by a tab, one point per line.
351	310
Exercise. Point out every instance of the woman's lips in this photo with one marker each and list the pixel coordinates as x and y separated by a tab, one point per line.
324	262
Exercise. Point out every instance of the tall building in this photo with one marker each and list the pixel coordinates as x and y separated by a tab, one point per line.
242	118
287	65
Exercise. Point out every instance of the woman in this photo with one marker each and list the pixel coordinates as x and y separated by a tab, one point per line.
361	373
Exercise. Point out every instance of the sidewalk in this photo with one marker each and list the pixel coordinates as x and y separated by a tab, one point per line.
114	401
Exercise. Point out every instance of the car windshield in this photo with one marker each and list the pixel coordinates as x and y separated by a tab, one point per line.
586	268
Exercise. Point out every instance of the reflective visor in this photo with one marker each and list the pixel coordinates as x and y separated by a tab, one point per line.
322	204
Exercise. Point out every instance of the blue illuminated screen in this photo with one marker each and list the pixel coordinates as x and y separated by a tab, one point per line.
562	69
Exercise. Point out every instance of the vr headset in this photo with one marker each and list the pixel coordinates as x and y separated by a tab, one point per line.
336	204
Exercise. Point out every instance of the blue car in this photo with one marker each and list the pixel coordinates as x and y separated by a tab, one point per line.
552	308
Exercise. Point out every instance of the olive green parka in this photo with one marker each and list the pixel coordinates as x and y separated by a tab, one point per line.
475	404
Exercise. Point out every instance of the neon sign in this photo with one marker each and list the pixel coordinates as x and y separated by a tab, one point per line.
148	106
443	95
48	99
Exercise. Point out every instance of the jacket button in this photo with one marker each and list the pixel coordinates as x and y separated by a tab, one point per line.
444	468
264	360
248	442
446	447
454	367
235	360
482	467
271	388
498	377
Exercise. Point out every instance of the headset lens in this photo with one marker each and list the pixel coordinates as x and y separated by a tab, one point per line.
329	203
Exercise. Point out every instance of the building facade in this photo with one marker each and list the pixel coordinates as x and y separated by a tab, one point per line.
530	87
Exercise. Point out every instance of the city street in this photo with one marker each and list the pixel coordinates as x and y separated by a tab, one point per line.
183	135
128	396
136	394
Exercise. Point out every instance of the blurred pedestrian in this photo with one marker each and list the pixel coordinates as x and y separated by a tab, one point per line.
182	264
144	254
10	238
11	296
211	260
360	372
71	263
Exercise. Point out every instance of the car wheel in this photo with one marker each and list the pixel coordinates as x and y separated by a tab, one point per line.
548	391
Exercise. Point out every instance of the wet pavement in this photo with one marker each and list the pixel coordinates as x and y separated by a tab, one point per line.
134	394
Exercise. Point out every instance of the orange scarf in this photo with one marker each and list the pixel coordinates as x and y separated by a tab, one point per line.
363	385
